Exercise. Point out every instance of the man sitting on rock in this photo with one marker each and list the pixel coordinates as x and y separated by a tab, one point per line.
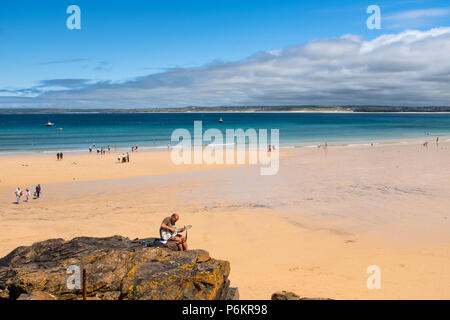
169	232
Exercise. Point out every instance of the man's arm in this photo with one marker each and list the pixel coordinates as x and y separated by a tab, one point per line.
164	226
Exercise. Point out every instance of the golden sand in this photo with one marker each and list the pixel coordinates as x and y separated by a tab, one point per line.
312	229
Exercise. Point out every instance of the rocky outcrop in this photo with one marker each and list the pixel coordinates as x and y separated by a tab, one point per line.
287	295
116	268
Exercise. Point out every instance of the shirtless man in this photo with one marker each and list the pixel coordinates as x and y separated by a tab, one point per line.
168	231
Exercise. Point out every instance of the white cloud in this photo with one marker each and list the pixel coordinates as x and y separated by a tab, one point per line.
416	18
407	37
408	68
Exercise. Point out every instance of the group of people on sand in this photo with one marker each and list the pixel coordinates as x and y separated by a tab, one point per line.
123	157
101	150
19	193
59	156
324	146
425	144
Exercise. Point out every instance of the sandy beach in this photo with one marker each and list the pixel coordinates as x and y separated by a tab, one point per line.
313	228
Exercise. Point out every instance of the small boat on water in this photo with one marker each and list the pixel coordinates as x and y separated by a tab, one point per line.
49	124
220	120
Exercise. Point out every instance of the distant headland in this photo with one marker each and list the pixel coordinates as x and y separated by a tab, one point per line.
224	109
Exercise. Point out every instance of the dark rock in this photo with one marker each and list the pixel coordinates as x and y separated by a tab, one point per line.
117	268
231	294
287	295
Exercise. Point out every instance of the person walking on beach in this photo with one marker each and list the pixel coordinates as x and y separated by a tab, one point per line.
128	157
169	232
119	158
37	192
27	194
18	194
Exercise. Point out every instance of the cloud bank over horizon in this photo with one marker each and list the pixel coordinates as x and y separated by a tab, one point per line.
410	68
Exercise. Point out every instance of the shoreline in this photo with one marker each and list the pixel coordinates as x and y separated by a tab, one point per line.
286	146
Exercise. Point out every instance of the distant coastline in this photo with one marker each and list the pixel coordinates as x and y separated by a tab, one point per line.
239	109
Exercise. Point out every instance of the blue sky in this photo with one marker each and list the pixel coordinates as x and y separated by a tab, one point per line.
121	42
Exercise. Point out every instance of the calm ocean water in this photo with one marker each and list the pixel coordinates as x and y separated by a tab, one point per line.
26	132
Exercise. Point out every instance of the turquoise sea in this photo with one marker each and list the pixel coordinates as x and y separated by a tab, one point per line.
75	132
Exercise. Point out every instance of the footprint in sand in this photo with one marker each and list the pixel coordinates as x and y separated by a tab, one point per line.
350	241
